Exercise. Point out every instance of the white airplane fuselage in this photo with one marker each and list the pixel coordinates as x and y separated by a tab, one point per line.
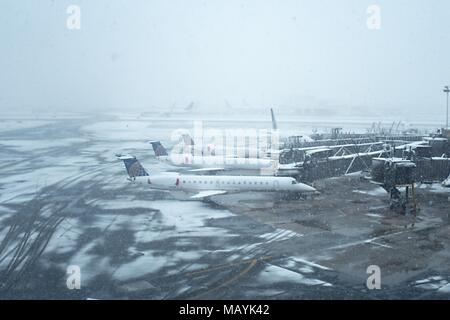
188	160
241	152
195	183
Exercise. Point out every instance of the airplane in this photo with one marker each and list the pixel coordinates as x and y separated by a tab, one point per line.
173	111
207	185
211	149
211	163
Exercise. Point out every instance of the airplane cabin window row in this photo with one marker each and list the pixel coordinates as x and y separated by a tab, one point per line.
228	182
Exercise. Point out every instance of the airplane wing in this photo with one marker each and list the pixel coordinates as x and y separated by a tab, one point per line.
206	170
208	193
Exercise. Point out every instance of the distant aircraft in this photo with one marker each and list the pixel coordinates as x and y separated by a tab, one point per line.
169	113
174	111
190	106
206	185
211	163
228	105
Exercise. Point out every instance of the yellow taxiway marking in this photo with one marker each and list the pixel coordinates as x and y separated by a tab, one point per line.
252	262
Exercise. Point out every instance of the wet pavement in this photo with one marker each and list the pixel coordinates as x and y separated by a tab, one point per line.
65	198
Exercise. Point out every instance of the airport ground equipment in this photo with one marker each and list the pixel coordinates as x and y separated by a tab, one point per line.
393	174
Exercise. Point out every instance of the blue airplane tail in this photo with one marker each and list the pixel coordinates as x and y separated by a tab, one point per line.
188	141
158	148
133	166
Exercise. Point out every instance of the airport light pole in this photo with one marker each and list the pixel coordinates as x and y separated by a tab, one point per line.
446	90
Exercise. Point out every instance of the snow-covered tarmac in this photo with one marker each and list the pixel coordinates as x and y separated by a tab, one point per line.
131	242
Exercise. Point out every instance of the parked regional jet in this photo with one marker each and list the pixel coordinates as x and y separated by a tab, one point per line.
210	149
211	163
207	186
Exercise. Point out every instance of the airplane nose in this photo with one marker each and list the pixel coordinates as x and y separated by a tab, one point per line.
305	188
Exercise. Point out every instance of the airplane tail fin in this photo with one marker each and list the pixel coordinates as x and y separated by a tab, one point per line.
274	122
133	166
158	148
188	141
190	106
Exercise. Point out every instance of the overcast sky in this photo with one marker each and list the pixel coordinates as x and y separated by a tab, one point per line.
133	54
